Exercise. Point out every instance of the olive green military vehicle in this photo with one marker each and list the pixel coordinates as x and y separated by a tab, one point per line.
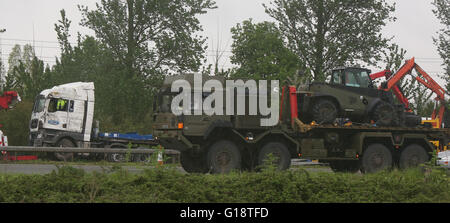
215	143
221	143
350	94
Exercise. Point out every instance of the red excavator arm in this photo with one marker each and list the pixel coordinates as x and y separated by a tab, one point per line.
392	83
9	99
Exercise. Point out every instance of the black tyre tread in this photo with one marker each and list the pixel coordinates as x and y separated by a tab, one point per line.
384	108
367	165
228	147
285	161
320	117
64	142
412	156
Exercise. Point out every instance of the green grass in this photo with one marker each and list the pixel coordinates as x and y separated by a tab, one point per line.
167	184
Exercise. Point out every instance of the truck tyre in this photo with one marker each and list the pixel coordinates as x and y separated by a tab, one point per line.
384	115
279	152
117	157
64	156
192	164
223	157
324	112
375	158
412	156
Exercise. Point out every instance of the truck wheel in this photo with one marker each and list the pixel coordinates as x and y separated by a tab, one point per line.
412	156
64	156
223	157
384	115
376	158
192	164
117	157
280	153
324	112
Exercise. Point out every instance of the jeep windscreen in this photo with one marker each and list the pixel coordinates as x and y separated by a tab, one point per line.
357	78
363	78
39	104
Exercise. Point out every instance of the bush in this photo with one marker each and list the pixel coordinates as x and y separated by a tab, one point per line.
170	185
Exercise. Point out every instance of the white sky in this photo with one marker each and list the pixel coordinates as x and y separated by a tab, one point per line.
26	20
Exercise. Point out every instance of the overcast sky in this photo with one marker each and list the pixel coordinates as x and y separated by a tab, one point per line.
25	20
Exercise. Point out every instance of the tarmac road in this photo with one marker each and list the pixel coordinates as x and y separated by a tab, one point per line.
17	168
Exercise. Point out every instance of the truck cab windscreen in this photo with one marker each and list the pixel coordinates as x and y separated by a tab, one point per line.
39	104
165	101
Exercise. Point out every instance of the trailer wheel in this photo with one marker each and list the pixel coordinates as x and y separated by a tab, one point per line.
117	157
280	153
375	158
412	156
324	112
64	156
192	164
223	157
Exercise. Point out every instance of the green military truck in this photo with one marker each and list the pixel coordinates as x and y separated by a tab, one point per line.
221	143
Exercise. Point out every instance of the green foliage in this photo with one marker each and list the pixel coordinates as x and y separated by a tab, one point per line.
155	35
15	123
259	51
170	185
442	12
326	34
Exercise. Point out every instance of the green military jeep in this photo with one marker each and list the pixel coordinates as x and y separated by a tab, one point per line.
349	93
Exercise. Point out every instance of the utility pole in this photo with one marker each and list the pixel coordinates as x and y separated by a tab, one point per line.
2	78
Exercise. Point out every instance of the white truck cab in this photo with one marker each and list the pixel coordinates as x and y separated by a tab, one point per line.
64	111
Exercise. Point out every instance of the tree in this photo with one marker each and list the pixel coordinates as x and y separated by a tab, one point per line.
150	38
259	51
28	79
2	75
442	42
329	33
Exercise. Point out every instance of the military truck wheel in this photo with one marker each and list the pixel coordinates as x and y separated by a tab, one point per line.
223	157
192	164
64	156
384	115
412	156
375	158
324	111
280	153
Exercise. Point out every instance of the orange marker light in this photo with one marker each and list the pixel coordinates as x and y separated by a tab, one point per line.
180	125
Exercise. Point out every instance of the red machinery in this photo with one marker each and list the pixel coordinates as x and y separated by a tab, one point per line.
7	101
392	81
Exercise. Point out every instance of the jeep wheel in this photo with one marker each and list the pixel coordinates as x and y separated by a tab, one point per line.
64	156
324	112
384	115
280	154
223	157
